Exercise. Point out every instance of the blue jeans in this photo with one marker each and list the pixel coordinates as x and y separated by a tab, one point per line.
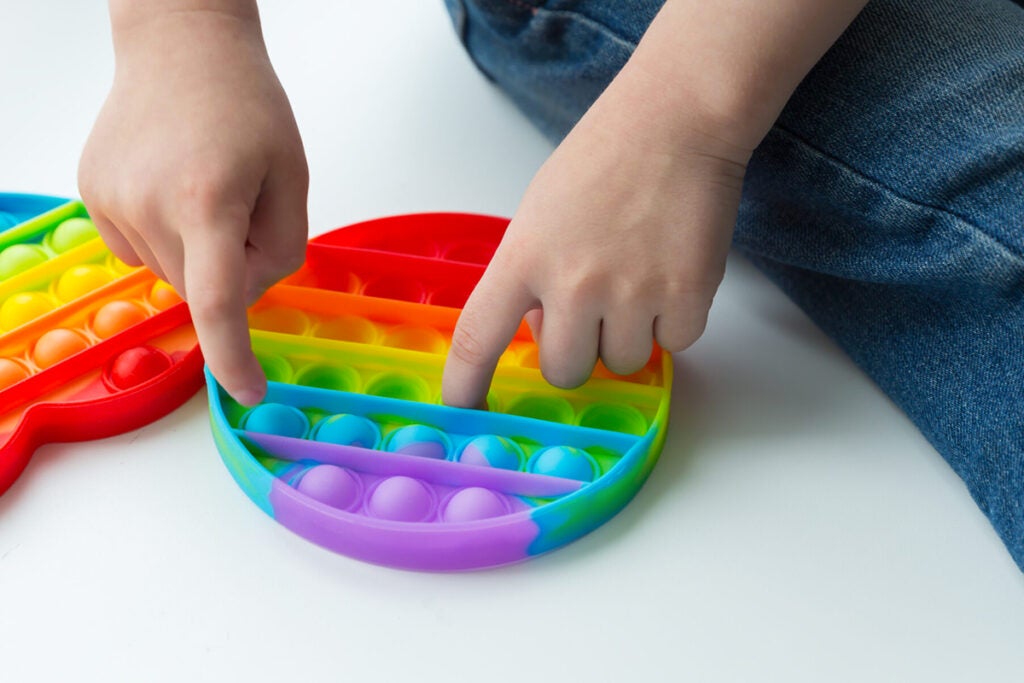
887	201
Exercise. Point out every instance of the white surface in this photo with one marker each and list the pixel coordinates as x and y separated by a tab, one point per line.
797	527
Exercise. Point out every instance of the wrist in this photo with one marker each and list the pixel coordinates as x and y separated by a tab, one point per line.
159	28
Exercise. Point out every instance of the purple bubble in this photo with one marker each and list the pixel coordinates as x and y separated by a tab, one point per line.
332	485
474	503
402	499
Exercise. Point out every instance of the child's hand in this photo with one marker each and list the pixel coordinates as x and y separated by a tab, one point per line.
196	169
620	240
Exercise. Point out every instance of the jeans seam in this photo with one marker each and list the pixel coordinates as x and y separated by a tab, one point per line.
622	41
915	203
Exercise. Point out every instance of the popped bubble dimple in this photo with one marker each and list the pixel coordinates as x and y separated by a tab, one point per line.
137	365
489	450
540	407
22	307
347	328
279	319
399	385
473	504
419	440
11	372
565	462
402	499
117	316
276	418
71	233
333	377
18	258
275	368
332	485
56	345
78	281
348	430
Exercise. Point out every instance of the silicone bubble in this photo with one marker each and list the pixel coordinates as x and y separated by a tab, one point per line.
474	503
332	485
333	377
400	386
18	258
11	372
117	316
279	319
395	288
162	296
24	307
419	440
348	430
565	462
71	233
276	368
347	328
276	418
56	345
489	450
119	266
414	338
614	418
78	281
7	220
541	407
402	499
137	365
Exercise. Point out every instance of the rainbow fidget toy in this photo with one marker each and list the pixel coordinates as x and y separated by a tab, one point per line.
351	447
89	347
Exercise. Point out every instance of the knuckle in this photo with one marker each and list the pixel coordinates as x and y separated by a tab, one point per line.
466	345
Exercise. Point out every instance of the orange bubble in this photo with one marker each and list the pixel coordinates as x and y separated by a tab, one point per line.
11	372
24	307
80	280
347	328
56	345
279	319
116	316
162	296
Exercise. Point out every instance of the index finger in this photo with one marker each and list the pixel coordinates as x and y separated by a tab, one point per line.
214	272
486	325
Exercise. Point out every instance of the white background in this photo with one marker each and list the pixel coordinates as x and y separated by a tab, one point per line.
797	528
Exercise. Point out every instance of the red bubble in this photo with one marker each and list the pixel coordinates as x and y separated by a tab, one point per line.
137	365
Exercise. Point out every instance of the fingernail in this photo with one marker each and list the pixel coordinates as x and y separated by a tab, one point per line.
249	397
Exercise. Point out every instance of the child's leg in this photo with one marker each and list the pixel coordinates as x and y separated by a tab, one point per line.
888	201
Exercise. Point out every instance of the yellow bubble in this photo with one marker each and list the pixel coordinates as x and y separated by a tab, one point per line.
23	307
80	280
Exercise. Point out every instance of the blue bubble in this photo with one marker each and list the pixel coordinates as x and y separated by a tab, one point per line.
276	418
489	450
420	440
348	430
565	462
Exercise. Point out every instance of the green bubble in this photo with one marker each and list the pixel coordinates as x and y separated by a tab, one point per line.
18	258
71	233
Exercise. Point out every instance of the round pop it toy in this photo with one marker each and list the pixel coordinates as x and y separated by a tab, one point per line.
89	347
352	448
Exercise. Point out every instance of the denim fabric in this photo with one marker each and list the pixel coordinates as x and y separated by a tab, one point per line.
887	201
